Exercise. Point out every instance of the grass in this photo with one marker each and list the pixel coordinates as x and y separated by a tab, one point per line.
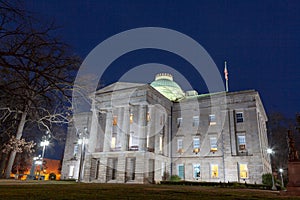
71	190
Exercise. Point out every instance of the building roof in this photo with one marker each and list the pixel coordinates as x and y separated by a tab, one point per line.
166	86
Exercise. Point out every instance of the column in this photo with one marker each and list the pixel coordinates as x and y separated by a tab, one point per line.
93	139
125	129
108	131
119	128
142	127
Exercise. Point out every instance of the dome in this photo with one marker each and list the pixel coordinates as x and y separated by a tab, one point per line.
166	86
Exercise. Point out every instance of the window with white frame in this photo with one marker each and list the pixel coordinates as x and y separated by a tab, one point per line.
243	169
76	147
179	145
241	142
212	119
196	142
214	168
213	143
196	121
239	117
196	171
179	121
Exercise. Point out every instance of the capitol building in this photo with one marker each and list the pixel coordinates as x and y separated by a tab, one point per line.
145	133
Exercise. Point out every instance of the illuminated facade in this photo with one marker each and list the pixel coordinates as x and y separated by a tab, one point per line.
141	133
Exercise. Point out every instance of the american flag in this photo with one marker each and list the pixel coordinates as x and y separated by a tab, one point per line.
226	72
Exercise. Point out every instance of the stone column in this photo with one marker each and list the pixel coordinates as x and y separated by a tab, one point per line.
108	131
125	129
119	128
93	135
142	127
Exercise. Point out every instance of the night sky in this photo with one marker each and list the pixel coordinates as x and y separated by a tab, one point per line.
260	40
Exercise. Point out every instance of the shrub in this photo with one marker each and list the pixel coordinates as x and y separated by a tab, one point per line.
267	179
175	178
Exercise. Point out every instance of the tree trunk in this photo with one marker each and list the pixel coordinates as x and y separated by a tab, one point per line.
12	155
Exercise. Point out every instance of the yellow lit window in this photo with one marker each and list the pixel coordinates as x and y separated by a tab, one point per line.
243	171
148	117
214	171
115	120
160	143
131	118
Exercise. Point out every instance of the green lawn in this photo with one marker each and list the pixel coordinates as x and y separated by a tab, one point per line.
70	190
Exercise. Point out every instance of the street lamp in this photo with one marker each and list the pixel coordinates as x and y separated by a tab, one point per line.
281	171
270	152
44	143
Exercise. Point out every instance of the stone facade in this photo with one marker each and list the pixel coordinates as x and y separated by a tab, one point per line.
135	134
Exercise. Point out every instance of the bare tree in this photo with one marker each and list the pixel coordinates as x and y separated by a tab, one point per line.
37	70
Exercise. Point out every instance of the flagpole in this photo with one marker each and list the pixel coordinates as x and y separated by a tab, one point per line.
226	76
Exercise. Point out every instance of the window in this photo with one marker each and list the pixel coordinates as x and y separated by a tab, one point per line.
163	168
113	142
148	117
179	121
196	121
241	142
111	170
131	118
196	142
213	144
212	119
130	169
71	171
243	171
180	171
196	171
179	144
196	145
214	171
133	141
115	120
75	153
160	143
239	117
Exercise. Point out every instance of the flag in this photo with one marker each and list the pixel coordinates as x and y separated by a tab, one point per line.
226	72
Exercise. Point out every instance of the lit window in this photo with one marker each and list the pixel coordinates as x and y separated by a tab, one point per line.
212	119
196	171
239	117
71	171
115	120
160	143
196	121
148	117
214	171
243	171
213	144
179	121
241	142
180	170
163	167
131	118
113	142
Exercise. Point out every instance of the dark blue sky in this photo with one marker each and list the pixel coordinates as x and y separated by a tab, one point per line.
259	39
